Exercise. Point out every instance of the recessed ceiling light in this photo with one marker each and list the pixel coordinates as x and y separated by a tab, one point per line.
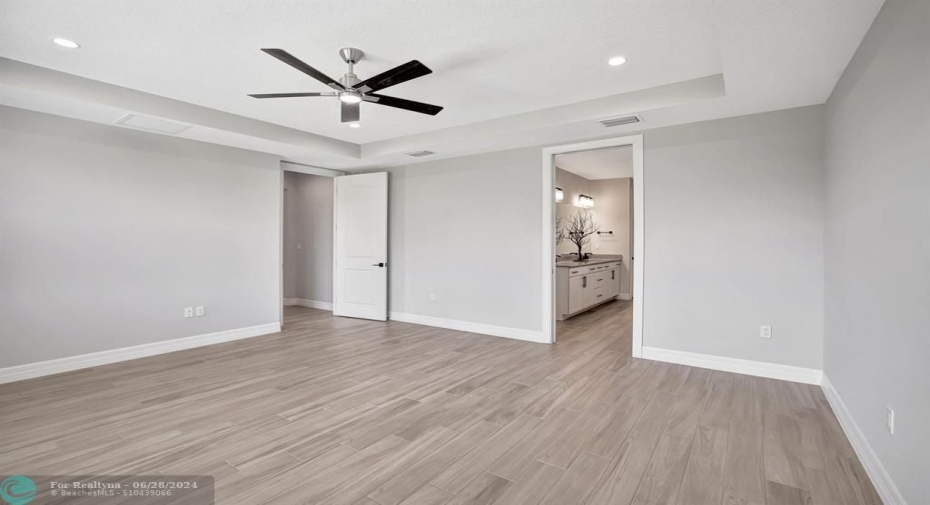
70	44
616	61
355	125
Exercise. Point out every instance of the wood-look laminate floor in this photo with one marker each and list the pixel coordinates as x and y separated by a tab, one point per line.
344	411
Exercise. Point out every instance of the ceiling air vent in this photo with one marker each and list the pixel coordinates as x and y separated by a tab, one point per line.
417	154
152	124
618	121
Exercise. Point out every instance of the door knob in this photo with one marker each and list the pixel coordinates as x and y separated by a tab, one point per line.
382	265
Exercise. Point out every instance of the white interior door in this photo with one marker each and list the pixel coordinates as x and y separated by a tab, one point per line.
360	276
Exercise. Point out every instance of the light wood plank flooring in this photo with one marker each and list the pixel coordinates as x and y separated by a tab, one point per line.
344	411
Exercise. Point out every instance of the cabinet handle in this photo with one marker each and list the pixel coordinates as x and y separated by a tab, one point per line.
613	274
584	281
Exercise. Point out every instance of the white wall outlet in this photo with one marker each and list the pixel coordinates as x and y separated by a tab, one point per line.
432	297
299	247
765	332
188	311
198	311
889	419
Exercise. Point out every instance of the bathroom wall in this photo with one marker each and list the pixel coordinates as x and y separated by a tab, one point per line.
613	207
572	186
612	212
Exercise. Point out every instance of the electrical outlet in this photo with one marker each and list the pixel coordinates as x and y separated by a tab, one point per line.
188	311
765	332
198	311
432	297
889	419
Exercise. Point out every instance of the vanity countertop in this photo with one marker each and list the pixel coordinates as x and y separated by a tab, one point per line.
593	260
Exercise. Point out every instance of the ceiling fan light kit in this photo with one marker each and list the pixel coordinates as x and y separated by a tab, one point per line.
350	97
352	91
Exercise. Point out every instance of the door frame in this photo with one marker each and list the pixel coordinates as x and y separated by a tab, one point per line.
300	168
548	232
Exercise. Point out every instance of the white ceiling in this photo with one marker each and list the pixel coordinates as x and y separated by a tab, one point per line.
596	164
493	61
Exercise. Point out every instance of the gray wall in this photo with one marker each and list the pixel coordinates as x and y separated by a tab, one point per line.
734	237
877	340
308	237
468	230
106	234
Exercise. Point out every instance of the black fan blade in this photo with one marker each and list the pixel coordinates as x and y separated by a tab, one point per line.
350	112
289	95
288	58
400	103
396	75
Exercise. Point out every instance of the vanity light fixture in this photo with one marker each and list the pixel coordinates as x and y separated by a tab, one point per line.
559	194
585	201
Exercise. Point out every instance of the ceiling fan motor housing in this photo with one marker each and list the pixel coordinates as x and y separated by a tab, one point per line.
349	80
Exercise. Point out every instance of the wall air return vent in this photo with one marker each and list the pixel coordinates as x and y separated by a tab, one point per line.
618	121
418	154
152	124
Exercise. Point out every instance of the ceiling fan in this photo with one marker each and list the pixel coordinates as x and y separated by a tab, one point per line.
351	90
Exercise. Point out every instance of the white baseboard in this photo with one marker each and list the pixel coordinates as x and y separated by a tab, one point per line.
735	365
51	367
484	329
880	478
313	304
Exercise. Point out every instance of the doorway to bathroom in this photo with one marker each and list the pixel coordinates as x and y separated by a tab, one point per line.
593	242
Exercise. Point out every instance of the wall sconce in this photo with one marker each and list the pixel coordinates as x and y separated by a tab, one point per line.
585	201
559	195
